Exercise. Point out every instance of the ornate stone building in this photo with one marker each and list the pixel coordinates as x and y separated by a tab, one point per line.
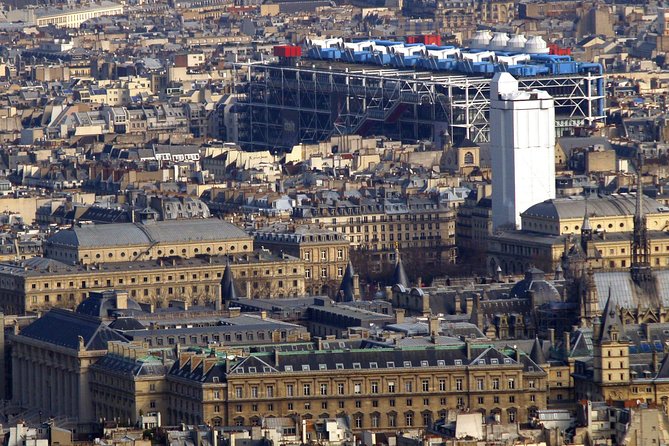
376	227
41	283
552	228
149	240
51	360
325	253
381	389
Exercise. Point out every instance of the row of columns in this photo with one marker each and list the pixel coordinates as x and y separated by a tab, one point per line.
49	386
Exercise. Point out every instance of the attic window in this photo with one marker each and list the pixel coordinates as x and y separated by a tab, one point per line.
322	366
266	369
305	367
390	364
424	363
507	360
458	362
339	366
441	363
481	361
239	370
288	368
494	361
252	370
356	365
407	363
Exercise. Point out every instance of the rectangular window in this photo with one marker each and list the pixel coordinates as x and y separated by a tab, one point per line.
458	384
442	385
426	385
306	389
290	390
324	389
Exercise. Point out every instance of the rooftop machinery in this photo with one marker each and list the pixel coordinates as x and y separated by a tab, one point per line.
407	91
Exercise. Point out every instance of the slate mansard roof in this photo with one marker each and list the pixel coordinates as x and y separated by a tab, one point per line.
329	361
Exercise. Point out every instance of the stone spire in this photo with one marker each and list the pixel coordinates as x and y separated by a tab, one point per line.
537	353
228	289
586	228
349	290
399	275
640	267
612	326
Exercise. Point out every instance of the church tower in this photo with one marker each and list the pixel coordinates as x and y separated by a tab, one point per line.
610	355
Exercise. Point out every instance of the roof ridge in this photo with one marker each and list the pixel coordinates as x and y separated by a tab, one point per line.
81	316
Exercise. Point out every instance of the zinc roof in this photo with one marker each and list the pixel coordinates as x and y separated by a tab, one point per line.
608	205
131	234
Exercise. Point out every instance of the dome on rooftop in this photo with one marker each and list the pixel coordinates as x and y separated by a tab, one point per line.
535	280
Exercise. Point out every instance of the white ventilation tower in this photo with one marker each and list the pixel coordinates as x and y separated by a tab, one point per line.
522	145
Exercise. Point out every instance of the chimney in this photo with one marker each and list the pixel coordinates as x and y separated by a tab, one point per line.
468	344
426	305
596	327
551	336
433	325
276	357
469	304
399	315
235	311
218	299
121	300
263	315
566	343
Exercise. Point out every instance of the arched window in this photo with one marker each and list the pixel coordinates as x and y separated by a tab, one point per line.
469	158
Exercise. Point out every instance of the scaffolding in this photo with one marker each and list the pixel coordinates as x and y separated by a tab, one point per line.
288	105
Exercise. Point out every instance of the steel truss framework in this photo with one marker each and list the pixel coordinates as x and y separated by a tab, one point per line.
287	105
